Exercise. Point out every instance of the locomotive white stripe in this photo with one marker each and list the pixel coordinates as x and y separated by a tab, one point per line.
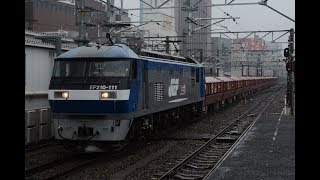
90	94
178	100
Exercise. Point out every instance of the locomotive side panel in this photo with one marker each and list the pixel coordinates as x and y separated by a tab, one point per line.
167	85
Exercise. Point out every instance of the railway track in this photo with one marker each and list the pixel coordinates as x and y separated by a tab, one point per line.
40	146
209	156
70	165
62	167
47	148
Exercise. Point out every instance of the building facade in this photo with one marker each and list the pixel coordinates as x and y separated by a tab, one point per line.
51	16
159	29
39	58
276	65
155	3
198	44
247	56
164	25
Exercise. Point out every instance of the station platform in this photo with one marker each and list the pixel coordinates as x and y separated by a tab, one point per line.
267	151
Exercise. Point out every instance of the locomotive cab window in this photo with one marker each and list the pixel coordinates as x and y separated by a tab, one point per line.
69	68
110	69
94	68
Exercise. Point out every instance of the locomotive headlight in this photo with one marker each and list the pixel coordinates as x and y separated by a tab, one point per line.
108	95
104	95
65	94
61	94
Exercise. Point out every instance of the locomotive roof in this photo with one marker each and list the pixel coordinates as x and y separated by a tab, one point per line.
168	61
115	51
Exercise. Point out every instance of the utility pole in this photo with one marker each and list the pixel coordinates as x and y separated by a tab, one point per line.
167	44
108	24
189	19
288	53
80	14
184	41
290	67
167	41
201	56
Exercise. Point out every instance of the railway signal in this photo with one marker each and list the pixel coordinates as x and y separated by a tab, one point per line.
286	52
289	66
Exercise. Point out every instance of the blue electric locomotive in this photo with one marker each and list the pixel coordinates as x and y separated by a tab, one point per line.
109	93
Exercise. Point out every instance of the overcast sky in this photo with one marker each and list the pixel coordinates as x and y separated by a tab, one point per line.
252	17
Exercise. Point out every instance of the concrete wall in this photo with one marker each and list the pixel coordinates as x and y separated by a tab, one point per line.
38	69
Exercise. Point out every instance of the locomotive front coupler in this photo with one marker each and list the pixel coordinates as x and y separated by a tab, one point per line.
84	131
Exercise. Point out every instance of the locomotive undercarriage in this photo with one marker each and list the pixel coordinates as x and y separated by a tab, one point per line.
157	122
101	135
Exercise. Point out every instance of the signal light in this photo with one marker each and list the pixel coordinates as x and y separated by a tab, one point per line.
286	52
290	66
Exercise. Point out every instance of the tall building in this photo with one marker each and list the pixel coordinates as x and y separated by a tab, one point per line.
51	16
199	42
47	16
155	3
161	29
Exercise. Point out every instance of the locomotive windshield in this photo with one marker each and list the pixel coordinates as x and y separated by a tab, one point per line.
109	69
69	68
92	68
